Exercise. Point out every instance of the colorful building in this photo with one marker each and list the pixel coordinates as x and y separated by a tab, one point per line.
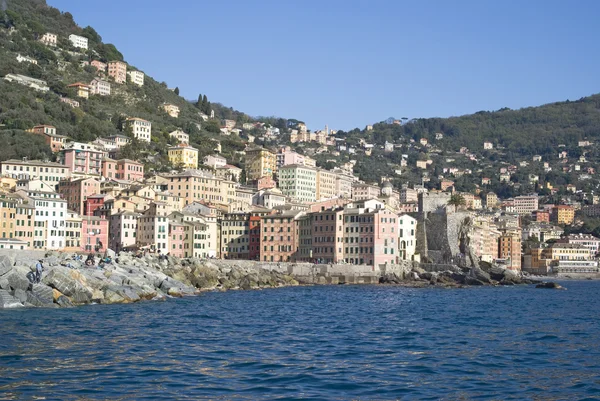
183	156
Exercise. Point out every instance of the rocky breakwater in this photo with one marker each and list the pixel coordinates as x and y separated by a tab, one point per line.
66	282
455	276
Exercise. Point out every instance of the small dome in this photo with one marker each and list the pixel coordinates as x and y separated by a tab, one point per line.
387	184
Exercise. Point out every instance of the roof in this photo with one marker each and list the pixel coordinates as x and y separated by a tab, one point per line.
79	84
34	163
229	166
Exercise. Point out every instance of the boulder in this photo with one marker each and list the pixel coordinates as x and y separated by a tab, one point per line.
64	302
4	285
550	285
43	292
16	281
68	286
496	273
6	264
21	295
480	275
203	277
37	301
8	301
111	296
473	281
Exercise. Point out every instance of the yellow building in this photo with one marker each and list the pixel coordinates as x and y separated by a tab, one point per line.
171	110
183	156
491	200
260	162
563	214
8	211
326	181
198	185
79	90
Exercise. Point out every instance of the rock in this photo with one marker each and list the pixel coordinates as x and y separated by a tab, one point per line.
110	253
64	302
16	281
111	296
8	301
43	292
480	275
69	286
550	285
473	281
496	273
81	297
56	294
203	277
20	295
97	296
4	285
6	264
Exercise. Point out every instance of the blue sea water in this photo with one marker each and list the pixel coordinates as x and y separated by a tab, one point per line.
317	343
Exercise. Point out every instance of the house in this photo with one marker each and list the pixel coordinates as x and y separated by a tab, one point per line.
99	65
229	172
140	128
183	156
79	89
56	142
171	109
214	161
26	59
118	70
488	146
49	39
137	77
70	102
100	87
79	41
33	83
181	136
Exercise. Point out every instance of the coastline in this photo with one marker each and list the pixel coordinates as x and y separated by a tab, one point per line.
68	282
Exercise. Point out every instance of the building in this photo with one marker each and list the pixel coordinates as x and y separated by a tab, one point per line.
123	169
118	71
298	182
94	234
183	156
279	236
79	41
70	102
526	204
100	87
153	227
235	235
49	39
93	203
563	214
197	185
99	65
49	220
229	172
137	77
260	162
214	161
588	241
119	140
82	159
488	146
32	83
326	184
171	109
73	232
542	216
362	191
140	129
52	139
79	89
407	237
76	192
509	248
49	173
123	230
181	137
25	59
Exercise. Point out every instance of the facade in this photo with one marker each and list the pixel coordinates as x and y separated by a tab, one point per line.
49	39
79	41
229	172
526	204
94	234
79	89
362	191
298	182
77	191
141	129
343	185
235	235
152	228
588	241
32	83
563	214
197	185
260	162
100	87
123	230
176	239
407	237
509	248
82	159
491	200
56	142
279	236
123	169
47	172
214	161
326	184
118	70
183	156
73	232
99	65
181	137
49	220
137	77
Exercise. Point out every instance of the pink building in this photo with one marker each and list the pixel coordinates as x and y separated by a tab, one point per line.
94	234
176	239
287	156
76	192
266	182
123	169
100	66
92	203
118	70
83	159
279	236
327	234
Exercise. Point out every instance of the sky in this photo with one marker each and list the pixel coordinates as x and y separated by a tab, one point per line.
349	63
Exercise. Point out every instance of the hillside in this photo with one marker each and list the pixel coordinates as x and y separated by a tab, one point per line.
21	26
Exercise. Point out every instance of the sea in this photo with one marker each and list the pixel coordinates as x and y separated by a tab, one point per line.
367	342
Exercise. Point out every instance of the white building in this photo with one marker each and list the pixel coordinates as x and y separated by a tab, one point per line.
123	230
407	236
181	136
25	59
49	39
50	173
153	228
137	77
141	129
79	41
33	83
214	161
100	87
50	217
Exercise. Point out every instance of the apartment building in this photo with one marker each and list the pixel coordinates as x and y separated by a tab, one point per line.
83	159
79	41
49	173
326	184
140	129
118	70
199	185
343	185
79	89
563	214
49	39
123	230
49	220
407	237
72	232
52	139
526	204
171	109
588	241
94	234
363	191
509	248
279	236
137	77
181	137
153	227
183	156
260	162
123	169
298	182
214	161
99	87
76	192
99	65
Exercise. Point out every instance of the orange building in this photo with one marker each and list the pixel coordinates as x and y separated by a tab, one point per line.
279	236
563	214
56	142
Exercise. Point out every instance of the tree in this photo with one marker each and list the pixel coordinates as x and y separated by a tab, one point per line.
457	200
91	34
176	90
199	101
204	106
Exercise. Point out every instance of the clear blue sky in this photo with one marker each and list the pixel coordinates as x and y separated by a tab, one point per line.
350	63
